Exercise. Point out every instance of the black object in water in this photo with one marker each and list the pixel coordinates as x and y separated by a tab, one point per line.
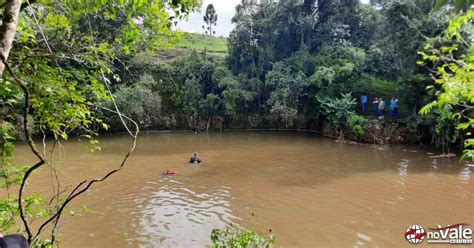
13	241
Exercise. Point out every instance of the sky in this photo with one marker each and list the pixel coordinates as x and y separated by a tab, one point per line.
225	11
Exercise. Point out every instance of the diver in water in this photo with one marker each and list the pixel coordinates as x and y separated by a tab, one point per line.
195	159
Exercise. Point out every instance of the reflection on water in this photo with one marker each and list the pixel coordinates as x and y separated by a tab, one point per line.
311	191
362	240
465	175
175	210
403	168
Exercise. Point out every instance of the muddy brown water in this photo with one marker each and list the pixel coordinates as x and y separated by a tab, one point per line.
309	190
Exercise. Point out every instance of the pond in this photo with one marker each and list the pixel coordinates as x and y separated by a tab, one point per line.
309	190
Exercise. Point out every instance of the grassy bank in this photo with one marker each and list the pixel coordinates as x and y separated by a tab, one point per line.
215	46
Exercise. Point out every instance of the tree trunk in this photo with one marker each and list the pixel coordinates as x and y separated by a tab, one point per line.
11	12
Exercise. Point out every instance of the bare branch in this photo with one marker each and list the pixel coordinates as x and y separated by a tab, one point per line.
31	143
412	25
76	192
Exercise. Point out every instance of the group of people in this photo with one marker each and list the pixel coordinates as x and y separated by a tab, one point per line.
379	106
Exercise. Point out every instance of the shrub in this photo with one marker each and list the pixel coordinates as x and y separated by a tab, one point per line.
340	113
234	238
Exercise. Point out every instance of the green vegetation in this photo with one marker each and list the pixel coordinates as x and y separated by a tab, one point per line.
340	113
216	46
235	238
288	70
75	68
57	66
210	18
454	103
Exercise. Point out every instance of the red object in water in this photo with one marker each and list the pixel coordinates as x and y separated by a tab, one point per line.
170	173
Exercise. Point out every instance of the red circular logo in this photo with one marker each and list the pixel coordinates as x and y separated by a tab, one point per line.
415	234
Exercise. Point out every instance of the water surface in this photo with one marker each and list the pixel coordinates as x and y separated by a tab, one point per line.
309	190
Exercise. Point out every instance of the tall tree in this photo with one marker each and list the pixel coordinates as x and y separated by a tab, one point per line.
453	78
57	79
210	18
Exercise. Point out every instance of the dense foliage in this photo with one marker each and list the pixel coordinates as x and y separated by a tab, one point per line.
301	63
85	67
455	80
57	82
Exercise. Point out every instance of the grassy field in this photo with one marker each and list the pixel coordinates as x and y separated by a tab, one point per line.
216	46
199	42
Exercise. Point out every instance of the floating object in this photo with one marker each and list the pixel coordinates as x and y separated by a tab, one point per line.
13	240
170	173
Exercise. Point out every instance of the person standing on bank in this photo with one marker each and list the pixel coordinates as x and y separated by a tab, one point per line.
381	108
363	101
376	106
394	108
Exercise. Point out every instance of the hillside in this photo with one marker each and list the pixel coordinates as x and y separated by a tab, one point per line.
216	46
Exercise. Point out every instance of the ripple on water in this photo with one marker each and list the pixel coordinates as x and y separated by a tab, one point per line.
176	213
465	175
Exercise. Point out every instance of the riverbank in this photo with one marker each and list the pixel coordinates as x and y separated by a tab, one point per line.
376	131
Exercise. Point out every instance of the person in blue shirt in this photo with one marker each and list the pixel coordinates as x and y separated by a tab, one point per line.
363	101
394	108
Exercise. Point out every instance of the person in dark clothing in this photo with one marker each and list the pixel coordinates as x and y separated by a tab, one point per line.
195	159
376	106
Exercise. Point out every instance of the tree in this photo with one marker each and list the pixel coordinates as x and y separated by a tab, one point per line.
58	81
459	5
192	94
231	90
340	113
210	18
337	67
287	87
453	55
210	107
243	50
139	101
